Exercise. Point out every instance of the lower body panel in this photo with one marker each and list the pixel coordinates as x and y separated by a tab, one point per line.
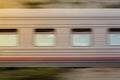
60	61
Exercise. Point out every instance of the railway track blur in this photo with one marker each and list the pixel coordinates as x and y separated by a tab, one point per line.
91	74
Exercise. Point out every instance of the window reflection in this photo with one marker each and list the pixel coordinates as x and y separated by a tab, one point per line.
8	40
114	39
8	37
44	37
114	36
81	37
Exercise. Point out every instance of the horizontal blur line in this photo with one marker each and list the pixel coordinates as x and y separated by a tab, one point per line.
62	61
60	52
80	58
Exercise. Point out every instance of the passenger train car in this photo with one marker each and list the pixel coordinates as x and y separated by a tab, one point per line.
59	37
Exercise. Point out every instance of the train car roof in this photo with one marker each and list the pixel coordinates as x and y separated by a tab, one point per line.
59	12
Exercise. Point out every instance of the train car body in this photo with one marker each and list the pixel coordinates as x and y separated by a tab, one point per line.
59	37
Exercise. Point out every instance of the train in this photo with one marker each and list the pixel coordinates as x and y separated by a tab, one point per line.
59	37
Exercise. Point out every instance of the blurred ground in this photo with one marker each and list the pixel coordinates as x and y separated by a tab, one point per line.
92	74
59	3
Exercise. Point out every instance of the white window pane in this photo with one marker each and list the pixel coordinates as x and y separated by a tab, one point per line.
81	39
114	39
44	39
8	40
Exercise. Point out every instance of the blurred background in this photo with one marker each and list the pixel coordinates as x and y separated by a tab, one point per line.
49	73
60	4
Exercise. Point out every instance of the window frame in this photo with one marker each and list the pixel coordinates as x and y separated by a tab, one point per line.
11	31
90	31
115	31
52	32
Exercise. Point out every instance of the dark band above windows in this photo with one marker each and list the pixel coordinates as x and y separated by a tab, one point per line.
81	30
114	30
8	30
44	30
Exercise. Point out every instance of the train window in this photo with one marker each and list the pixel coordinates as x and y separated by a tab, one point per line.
81	37
44	37
8	37
114	36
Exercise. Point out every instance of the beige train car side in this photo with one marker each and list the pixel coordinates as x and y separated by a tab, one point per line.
62	54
